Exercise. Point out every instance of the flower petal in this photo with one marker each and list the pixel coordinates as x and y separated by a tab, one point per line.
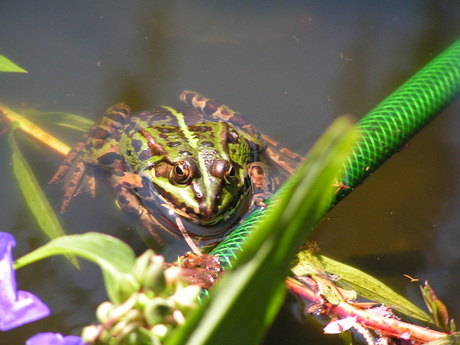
27	308
18	307
7	278
54	339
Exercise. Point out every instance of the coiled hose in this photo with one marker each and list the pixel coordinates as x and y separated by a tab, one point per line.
384	131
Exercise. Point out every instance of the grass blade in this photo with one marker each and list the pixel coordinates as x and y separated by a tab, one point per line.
34	196
7	65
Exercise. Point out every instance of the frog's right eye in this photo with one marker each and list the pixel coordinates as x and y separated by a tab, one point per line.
182	172
222	168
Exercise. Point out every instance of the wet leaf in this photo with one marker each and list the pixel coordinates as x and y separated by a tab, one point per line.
437	308
447	340
34	196
7	65
365	285
246	299
114	257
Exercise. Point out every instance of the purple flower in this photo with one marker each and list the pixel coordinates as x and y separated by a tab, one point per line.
17	307
54	339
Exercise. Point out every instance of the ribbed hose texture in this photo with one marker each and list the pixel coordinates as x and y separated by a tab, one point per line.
384	131
392	123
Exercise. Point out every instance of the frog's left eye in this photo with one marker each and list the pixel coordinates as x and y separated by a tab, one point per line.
222	168
182	172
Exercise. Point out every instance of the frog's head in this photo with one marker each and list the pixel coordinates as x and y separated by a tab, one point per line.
211	194
200	176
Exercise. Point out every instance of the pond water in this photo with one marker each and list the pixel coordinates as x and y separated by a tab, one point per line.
291	67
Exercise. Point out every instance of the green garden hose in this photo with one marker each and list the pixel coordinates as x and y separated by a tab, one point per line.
384	131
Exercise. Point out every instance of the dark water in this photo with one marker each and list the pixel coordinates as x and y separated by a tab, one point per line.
291	67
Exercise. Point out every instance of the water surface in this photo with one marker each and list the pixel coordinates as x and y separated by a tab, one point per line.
291	67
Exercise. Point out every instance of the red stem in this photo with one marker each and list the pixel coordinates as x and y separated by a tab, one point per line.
384	325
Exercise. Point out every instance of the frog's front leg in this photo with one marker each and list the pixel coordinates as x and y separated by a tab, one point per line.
96	149
124	184
262	183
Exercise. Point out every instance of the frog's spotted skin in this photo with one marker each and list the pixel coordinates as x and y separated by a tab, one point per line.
205	164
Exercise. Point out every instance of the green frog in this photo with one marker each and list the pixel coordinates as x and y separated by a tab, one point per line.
198	170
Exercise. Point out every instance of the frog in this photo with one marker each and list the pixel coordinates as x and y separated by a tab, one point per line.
196	171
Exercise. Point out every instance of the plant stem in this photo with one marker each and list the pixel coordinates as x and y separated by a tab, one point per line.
34	131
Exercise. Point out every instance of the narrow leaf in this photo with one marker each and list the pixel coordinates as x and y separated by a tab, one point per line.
365	285
34	196
62	119
447	340
7	65
246	300
113	256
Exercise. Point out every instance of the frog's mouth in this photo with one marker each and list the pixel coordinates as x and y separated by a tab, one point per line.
205	224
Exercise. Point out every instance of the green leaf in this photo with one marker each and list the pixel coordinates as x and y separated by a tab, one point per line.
113	256
365	285
245	301
437	309
34	196
447	340
7	65
62	119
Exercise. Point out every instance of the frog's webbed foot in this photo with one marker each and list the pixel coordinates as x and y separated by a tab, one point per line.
76	177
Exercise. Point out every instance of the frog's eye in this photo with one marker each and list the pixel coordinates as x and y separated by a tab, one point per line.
231	172
222	168
182	172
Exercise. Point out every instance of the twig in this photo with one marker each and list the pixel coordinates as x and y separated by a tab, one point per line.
384	325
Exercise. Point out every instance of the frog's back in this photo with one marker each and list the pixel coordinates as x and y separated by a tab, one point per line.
166	116
177	135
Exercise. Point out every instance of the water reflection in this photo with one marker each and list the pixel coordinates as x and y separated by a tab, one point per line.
290	67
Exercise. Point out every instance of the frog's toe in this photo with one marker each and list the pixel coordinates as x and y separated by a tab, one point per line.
68	162
78	179
260	202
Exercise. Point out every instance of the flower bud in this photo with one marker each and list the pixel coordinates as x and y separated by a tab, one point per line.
156	310
103	311
154	279
127	285
141	264
161	330
90	334
187	297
